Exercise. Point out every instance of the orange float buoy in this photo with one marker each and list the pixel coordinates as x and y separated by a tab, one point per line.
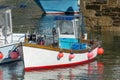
100	51
1	55
71	56
14	55
60	55
90	55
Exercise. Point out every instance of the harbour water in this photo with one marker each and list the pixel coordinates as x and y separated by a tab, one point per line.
105	67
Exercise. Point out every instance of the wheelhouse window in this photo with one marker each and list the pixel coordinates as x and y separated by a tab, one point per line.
66	27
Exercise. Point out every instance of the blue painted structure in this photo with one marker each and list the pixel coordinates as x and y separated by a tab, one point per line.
58	6
66	43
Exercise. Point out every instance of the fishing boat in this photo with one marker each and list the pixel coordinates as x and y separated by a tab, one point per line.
67	46
10	50
58	6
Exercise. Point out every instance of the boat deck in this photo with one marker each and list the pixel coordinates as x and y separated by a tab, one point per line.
55	47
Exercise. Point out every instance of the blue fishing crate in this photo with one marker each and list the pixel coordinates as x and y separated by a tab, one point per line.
81	46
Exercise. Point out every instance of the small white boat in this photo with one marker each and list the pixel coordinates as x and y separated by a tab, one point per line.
68	46
10	50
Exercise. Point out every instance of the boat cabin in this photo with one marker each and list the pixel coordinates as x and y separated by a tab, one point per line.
69	31
5	25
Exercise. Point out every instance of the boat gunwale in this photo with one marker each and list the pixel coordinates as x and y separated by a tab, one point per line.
93	46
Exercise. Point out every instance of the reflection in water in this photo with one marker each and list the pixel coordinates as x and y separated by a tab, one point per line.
13	71
93	70
46	24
